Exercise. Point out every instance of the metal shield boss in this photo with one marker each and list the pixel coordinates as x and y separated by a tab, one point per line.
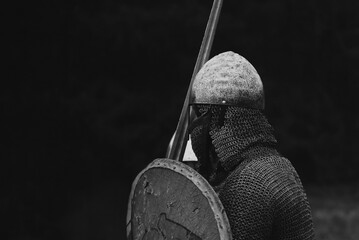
170	200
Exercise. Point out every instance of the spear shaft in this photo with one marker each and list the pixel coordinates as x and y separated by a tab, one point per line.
178	142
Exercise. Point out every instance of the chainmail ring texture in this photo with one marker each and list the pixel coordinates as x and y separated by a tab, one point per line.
259	189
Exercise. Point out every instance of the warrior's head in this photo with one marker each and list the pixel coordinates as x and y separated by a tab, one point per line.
228	99
228	79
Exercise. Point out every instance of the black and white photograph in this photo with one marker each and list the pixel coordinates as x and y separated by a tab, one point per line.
180	119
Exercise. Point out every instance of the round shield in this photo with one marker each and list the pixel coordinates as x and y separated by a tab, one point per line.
170	200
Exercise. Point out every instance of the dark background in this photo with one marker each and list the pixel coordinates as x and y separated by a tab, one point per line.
93	91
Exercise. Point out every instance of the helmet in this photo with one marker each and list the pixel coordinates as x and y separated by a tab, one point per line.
228	79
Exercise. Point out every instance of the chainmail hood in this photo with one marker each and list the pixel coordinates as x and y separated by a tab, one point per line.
230	131
259	189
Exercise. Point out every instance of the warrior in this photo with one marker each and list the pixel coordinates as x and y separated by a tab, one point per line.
260	190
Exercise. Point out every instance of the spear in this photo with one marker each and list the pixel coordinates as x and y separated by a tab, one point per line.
179	139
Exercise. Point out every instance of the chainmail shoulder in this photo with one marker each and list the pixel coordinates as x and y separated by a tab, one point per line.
260	190
264	199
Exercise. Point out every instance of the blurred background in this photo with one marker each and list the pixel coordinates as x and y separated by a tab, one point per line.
94	89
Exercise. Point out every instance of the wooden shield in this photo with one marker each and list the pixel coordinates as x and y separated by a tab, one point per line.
170	200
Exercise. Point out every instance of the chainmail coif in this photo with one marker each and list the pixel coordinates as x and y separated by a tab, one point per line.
259	189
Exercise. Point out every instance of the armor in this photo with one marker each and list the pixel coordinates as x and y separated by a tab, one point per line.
228	79
236	149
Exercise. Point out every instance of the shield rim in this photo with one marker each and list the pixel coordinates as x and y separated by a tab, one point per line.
220	215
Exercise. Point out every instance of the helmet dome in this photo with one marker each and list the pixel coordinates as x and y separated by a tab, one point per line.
228	79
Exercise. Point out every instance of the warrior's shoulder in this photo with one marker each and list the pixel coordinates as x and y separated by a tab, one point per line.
263	166
264	173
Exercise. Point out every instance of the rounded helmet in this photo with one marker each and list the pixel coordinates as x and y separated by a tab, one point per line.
228	79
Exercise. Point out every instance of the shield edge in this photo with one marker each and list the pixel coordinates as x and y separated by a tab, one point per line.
211	196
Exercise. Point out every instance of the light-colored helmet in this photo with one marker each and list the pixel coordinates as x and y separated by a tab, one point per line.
228	79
